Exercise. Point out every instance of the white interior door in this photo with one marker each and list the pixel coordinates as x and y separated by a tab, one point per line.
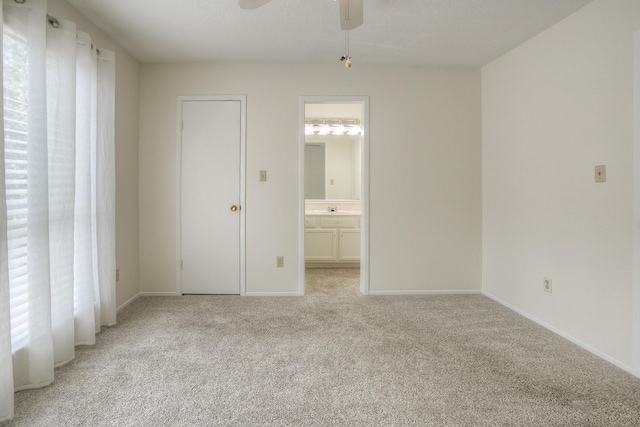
210	197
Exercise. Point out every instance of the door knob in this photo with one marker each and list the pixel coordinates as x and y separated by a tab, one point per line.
234	208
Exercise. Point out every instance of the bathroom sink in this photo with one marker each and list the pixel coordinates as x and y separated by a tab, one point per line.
318	212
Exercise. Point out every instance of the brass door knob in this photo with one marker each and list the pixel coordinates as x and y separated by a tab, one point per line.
234	208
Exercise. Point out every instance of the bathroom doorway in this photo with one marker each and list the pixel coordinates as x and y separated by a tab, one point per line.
334	209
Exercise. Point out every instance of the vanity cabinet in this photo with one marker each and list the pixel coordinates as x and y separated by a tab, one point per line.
349	245
332	239
320	245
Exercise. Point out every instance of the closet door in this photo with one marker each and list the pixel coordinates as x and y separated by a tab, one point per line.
210	197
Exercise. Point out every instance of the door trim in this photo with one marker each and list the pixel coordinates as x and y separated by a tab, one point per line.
635	282
364	200
243	159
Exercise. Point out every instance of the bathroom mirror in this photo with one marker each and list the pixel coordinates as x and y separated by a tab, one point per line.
333	158
332	167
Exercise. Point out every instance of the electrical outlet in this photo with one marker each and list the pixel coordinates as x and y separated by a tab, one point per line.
279	261
117	274
548	285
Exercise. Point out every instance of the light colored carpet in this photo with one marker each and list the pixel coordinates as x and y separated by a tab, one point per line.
331	358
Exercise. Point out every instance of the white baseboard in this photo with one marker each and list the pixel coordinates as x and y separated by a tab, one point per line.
146	294
566	336
390	293
159	294
126	303
272	294
175	294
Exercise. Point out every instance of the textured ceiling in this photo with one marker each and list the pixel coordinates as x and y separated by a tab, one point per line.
456	33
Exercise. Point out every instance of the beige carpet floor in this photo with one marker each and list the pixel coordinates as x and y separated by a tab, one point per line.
331	358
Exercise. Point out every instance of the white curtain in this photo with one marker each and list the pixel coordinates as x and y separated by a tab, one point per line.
106	186
61	115
57	192
85	288
26	130
6	360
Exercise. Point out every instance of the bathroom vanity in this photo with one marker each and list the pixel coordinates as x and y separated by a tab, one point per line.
332	188
332	238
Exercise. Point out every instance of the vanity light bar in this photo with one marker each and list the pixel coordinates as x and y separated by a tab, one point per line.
332	126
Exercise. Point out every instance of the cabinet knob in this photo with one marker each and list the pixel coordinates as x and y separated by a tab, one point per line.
234	208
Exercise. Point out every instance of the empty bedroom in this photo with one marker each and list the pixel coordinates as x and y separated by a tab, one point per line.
320	213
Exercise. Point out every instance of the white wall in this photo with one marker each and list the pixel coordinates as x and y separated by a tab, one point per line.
424	165
552	109
126	145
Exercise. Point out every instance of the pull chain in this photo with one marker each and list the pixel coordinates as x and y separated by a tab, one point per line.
346	39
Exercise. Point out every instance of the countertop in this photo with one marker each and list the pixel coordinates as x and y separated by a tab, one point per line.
316	213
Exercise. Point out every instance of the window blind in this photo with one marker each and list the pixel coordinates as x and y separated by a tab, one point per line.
15	84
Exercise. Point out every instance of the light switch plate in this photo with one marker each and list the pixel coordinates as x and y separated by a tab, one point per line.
601	173
263	176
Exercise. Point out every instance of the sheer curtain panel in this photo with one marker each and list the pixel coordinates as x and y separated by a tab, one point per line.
57	192
85	286
6	361
61	120
106	186
27	170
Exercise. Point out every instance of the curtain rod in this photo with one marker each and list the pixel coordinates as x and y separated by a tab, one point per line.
53	21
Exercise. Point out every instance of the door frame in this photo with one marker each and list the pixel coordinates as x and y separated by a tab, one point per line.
635	285
364	199
243	159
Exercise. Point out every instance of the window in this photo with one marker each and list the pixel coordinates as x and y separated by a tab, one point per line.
15	63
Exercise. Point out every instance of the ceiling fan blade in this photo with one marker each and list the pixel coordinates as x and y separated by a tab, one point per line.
351	15
252	4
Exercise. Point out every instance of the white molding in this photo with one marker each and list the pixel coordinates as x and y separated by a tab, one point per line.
159	294
243	168
364	199
129	301
563	334
272	294
635	278
178	178
301	199
423	292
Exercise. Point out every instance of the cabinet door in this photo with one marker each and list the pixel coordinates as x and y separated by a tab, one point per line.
349	245
320	245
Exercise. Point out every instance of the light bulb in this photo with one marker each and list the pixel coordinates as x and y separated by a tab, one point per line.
339	130
308	129
324	130
355	130
348	63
